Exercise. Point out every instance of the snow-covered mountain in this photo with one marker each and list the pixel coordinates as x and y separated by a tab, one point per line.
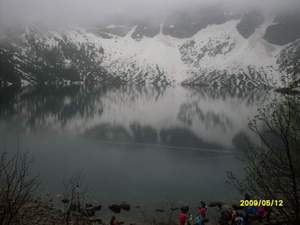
36	57
216	49
217	55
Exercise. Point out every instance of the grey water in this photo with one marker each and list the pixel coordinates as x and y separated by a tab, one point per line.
132	143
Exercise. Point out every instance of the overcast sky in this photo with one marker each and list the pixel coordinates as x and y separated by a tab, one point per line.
84	11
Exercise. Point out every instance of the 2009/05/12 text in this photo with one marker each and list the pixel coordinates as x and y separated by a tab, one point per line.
268	203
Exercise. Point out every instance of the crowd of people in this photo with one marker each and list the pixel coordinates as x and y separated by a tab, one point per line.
186	218
236	215
228	215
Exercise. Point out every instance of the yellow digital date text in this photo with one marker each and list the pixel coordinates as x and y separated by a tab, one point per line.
258	203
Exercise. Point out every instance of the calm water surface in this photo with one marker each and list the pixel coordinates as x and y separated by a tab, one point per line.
132	143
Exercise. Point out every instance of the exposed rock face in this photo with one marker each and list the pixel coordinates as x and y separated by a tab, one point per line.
193	52
241	79
186	23
285	29
289	59
145	30
289	65
216	60
250	21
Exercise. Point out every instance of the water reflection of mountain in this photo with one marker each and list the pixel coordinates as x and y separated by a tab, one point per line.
139	134
132	93
249	97
134	114
193	110
222	111
189	112
8	97
36	107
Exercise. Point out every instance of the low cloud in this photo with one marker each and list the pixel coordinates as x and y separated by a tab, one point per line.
69	12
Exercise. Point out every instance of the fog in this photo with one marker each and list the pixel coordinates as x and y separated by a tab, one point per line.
70	12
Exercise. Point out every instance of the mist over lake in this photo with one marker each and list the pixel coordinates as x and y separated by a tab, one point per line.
132	143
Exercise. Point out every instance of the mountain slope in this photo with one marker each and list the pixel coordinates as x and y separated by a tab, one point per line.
215	55
51	58
218	55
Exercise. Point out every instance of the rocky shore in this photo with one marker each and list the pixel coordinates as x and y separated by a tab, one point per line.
38	213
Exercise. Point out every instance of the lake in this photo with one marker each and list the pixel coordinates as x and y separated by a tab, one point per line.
132	143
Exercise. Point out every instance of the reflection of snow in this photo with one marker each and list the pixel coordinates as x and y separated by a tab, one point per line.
67	63
193	114
67	100
223	117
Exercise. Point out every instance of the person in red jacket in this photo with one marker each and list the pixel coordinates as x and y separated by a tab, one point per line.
202	210
182	217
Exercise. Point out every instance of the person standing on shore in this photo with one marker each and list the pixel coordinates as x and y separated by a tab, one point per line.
226	215
182	216
77	197
202	211
190	219
198	220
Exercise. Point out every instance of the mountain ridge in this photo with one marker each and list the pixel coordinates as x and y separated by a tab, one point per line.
218	55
